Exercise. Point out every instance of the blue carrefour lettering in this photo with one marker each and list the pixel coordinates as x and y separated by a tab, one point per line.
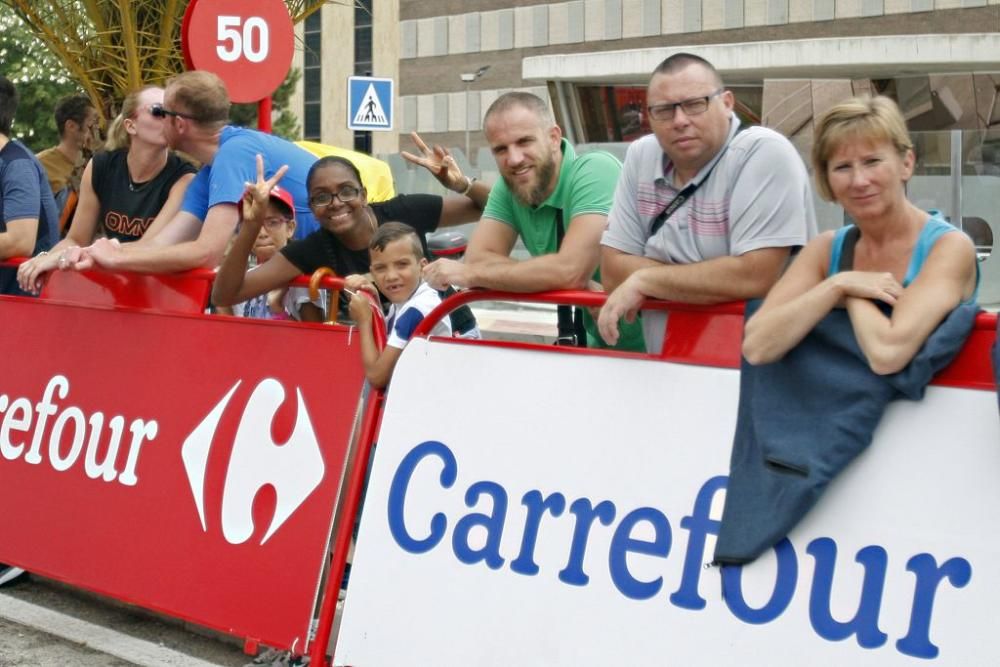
555	504
957	571
784	586
698	526
585	513
478	538
622	544
865	621
492	523
399	487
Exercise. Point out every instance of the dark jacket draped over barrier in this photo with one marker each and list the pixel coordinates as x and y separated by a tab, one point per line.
802	419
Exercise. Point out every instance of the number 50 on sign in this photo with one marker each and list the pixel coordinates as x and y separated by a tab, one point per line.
248	44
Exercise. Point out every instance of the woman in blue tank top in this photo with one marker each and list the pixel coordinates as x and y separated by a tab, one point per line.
895	253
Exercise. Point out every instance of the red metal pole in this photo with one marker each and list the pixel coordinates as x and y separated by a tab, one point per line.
264	115
342	542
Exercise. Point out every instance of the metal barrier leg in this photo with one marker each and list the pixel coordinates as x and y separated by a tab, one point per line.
345	528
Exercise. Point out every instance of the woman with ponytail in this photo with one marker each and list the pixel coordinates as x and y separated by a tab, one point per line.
128	191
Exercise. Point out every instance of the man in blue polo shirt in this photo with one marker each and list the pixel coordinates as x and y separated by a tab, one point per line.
29	222
195	113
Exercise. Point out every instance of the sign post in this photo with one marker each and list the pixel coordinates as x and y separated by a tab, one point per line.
248	45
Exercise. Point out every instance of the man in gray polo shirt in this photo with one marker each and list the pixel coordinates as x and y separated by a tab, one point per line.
703	212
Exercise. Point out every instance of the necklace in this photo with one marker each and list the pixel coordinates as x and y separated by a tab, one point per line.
132	185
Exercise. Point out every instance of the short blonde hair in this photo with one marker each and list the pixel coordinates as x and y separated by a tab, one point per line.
202	95
859	118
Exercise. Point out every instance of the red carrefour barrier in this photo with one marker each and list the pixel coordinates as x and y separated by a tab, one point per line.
711	335
198	465
185	463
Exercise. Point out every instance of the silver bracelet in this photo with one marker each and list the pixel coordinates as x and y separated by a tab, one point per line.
468	188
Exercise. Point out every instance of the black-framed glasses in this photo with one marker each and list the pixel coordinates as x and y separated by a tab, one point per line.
159	111
344	194
690	107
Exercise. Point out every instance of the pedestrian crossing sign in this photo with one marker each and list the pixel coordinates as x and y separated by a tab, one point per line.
369	103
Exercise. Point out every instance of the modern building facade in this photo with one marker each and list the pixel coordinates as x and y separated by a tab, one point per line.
786	61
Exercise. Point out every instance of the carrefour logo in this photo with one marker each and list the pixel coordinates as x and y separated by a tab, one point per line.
294	468
474	539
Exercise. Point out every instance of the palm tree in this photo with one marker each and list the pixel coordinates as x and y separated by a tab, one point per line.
110	47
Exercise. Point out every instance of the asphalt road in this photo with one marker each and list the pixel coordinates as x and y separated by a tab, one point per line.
46	623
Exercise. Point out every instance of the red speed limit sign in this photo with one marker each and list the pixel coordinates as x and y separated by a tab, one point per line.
248	44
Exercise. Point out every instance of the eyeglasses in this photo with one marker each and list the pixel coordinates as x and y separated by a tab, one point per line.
276	221
160	111
691	107
345	194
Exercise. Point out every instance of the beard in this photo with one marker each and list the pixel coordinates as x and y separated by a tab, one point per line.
533	194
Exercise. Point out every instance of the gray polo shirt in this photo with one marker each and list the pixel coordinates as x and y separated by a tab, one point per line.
754	194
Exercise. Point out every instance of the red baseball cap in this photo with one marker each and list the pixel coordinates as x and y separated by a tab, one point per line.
285	197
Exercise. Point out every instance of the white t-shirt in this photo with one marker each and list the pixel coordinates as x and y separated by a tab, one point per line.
402	319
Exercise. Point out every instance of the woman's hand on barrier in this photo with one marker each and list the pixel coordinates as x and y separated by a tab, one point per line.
438	161
31	274
623	302
256	195
878	285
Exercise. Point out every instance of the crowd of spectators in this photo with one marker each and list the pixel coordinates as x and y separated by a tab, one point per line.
704	210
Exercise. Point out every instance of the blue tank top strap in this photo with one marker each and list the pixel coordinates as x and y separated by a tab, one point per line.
837	249
934	228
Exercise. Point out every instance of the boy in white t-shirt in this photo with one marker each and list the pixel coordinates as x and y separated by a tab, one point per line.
397	260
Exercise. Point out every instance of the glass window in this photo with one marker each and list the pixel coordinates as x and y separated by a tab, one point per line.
311	123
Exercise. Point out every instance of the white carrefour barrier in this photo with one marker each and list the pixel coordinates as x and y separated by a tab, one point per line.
534	508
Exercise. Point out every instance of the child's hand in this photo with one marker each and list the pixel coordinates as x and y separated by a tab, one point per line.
357	282
361	309
256	195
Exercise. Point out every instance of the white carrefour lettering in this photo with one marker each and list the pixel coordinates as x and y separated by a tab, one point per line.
106	468
140	431
45	409
11	422
60	463
17	417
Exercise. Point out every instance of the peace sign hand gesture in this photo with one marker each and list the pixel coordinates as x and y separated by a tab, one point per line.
439	162
256	195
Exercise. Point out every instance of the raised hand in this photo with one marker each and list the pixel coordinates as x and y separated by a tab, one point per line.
256	195
438	161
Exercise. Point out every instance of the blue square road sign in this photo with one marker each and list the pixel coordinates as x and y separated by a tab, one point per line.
369	103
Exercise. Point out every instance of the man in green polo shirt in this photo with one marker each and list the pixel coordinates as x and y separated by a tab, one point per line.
544	183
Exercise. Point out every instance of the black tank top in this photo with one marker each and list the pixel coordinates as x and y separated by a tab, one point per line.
128	208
